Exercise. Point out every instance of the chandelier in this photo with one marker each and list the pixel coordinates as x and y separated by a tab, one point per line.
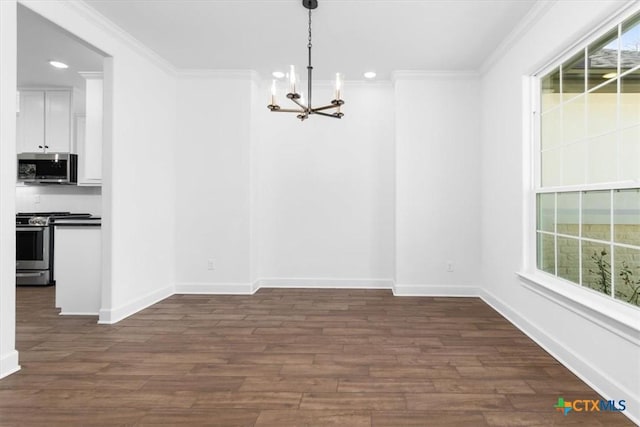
304	110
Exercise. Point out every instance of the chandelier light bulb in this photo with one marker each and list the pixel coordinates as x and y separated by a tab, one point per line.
292	79
338	93
273	92
278	74
370	75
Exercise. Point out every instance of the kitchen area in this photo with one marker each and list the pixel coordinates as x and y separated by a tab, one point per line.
59	110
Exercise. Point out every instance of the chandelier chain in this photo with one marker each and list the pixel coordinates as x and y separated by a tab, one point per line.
309	45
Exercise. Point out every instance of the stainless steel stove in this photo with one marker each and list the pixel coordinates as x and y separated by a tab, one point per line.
34	246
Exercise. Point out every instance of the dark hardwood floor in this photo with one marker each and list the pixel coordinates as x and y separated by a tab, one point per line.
287	358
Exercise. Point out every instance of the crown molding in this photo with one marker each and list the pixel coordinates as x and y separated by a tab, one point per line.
440	74
538	10
102	22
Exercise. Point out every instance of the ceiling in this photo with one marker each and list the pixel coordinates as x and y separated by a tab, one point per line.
349	36
40	41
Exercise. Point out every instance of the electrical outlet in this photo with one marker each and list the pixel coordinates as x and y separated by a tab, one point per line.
210	265
450	266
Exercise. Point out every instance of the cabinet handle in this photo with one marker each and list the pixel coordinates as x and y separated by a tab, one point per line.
46	146
39	146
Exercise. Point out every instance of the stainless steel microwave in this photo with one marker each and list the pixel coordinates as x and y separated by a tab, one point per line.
48	168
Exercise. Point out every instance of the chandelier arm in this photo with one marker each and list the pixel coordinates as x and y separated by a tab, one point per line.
334	115
326	107
288	110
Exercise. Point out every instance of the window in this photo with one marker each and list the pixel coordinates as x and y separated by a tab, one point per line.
588	181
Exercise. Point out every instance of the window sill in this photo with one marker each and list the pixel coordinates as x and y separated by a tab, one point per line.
615	316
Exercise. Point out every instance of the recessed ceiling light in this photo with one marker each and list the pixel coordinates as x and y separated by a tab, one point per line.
278	74
609	75
58	64
370	74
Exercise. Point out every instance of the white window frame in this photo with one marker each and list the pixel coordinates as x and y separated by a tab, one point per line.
615	316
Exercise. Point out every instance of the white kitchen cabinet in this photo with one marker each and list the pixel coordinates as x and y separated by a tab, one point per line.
44	121
89	133
30	122
57	120
77	268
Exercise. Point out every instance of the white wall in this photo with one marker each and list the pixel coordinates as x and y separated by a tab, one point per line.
437	186
59	198
142	185
324	191
257	103
271	199
8	354
213	183
604	357
283	203
138	213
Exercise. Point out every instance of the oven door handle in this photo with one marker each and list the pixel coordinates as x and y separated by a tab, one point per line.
34	274
37	228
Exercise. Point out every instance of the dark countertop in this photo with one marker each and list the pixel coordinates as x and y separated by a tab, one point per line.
82	222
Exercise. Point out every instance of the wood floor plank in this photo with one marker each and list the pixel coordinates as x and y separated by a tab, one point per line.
386	385
271	359
248	400
422	419
484	385
457	402
323	370
296	418
66	417
286	357
145	368
293	384
236	370
200	417
357	359
414	372
528	372
545	419
354	401
176	382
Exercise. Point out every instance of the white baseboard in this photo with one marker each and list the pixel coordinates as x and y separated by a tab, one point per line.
588	373
435	291
72	313
114	315
324	283
215	288
9	364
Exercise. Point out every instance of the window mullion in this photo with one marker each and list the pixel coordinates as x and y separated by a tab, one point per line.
580	193
611	247
555	232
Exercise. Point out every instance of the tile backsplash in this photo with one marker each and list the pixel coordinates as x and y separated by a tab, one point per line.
59	198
